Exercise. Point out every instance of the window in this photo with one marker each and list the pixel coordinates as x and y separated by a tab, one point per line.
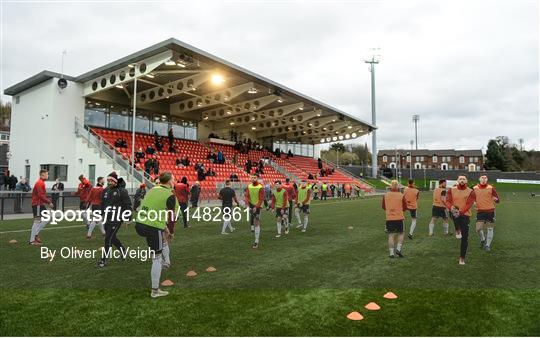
56	171
160	124
417	166
120	119
142	123
95	117
385	158
461	159
434	159
4	136
422	158
409	159
393	158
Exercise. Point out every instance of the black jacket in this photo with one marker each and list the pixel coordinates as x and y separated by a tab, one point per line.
117	197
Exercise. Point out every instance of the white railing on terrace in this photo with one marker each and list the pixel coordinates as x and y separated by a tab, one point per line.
348	173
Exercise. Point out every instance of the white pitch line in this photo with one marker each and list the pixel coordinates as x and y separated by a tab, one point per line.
51	228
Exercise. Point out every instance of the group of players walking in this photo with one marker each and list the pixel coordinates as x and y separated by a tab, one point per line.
455	202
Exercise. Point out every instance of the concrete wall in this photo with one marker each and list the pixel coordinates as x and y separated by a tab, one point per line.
42	128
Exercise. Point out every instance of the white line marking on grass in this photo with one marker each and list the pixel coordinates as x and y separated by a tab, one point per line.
50	228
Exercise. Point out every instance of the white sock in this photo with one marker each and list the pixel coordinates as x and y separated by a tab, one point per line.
91	228
257	233
445	227
155	272
305	221
278	228
33	233
481	234
391	251
431	227
224	226
399	246
100	224
229	223
41	225
166	253
252	227
413	225
297	213
490	233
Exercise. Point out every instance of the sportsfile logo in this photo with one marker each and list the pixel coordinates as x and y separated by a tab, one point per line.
115	214
74	253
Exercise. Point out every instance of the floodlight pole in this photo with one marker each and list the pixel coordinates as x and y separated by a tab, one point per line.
410	162
133	129
415	119
372	62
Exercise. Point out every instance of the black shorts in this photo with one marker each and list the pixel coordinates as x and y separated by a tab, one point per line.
95	207
394	226
281	212
37	210
82	205
439	212
486	217
256	214
304	208
461	221
413	213
154	236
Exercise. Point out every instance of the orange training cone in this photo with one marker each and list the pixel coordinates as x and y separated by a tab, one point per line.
13	241
372	306
191	273
390	295
167	282
211	269
355	316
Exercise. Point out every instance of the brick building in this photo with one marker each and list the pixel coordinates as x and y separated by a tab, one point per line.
443	159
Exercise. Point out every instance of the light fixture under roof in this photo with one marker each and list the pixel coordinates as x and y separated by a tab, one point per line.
206	117
301	108
252	90
150	75
253	128
217	79
280	100
170	63
181	65
119	86
350	127
318	114
231	123
229	112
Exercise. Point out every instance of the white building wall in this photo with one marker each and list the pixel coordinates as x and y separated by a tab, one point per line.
42	129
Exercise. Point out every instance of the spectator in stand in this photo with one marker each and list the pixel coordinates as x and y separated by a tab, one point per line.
200	174
235	159
22	187
155	166
139	155
234	177
179	163
181	190
322	173
12	182
210	172
171	139
185	161
120	143
156	137
289	154
139	195
319	163
277	152
248	166
310	177
159	145
57	186
195	192
220	157
150	150
148	165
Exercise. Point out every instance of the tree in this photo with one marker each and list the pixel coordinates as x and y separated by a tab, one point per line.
5	113
363	153
338	146
495	155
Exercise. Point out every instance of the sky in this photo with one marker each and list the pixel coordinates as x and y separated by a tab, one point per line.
468	68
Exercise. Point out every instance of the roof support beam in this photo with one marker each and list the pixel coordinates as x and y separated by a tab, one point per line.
222	96
125	74
173	88
241	107
263	116
304	126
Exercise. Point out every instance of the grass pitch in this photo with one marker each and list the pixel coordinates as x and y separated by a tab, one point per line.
300	284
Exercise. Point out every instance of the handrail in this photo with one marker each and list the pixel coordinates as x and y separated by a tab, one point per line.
284	171
103	147
348	173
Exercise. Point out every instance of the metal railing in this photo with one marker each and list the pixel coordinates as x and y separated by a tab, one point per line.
104	148
284	171
349	174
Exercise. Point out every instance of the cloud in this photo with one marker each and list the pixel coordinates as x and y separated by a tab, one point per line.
468	68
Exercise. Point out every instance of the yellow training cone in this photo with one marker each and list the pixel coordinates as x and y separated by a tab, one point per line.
355	316
390	295
211	269
191	273
372	306
167	282
13	241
